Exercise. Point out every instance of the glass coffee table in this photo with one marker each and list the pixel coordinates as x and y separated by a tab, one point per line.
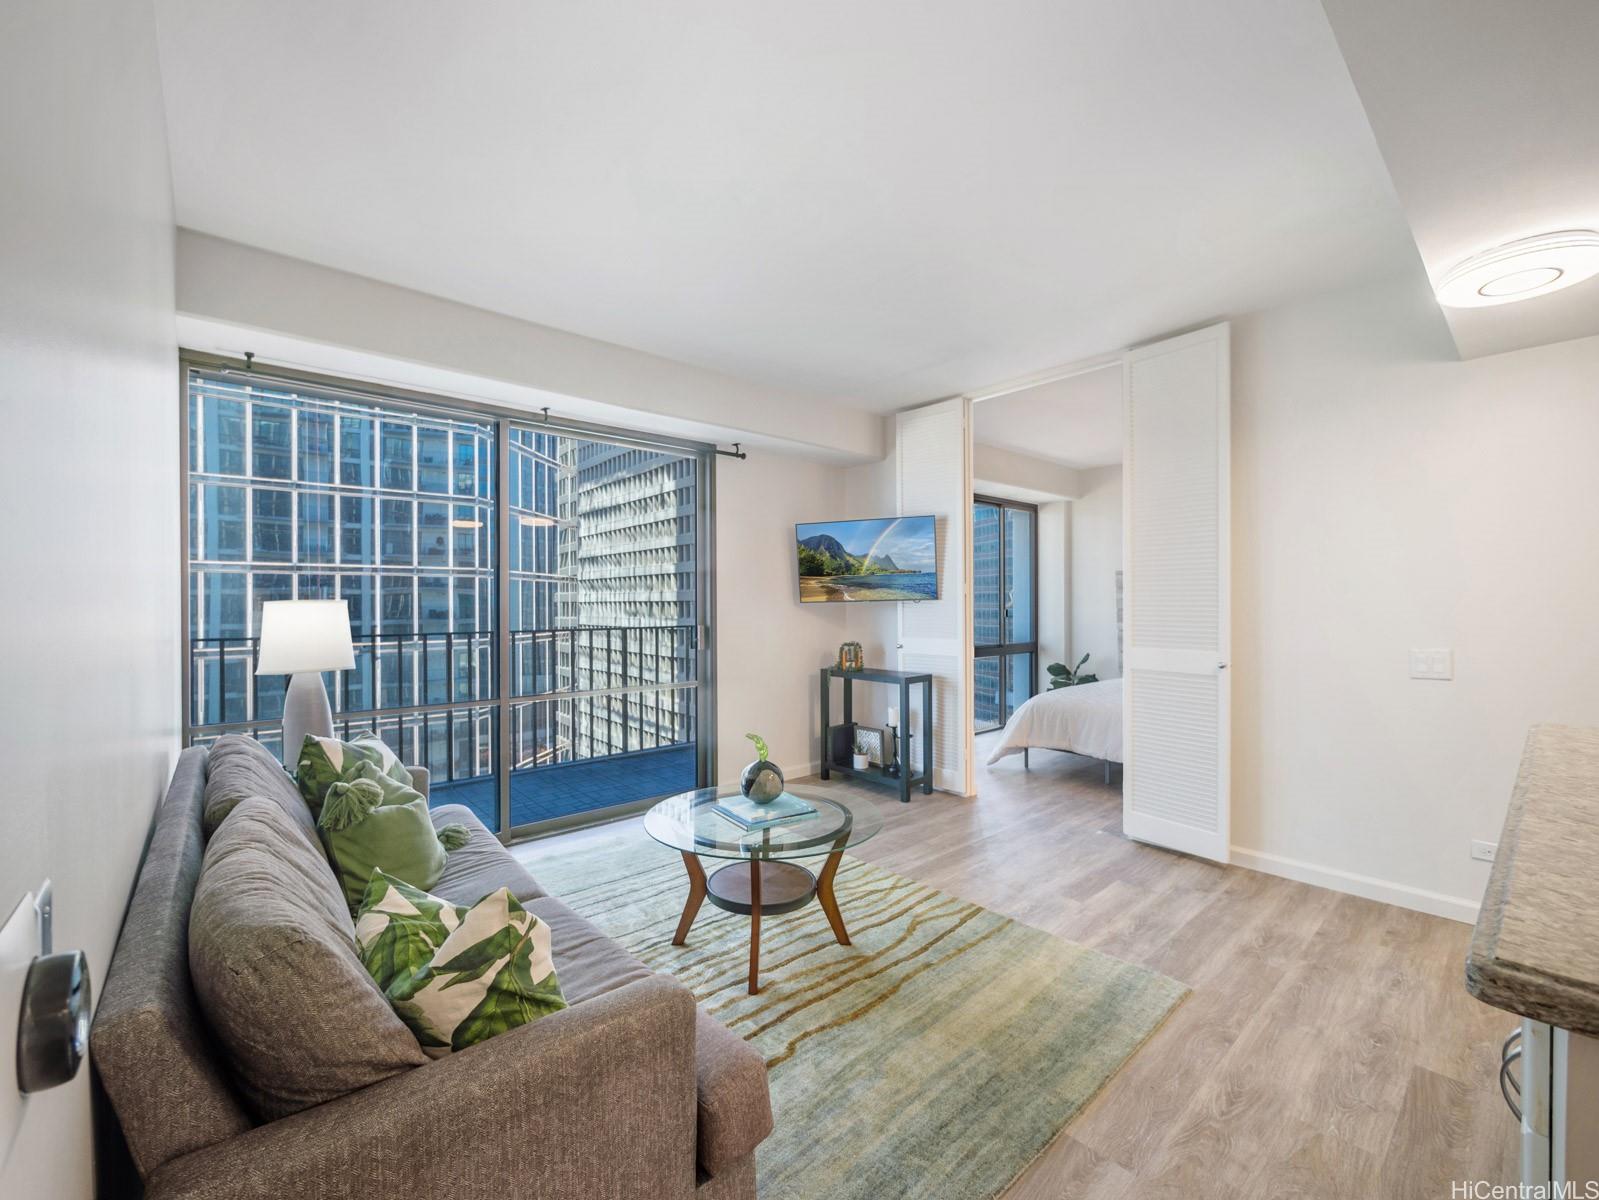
761	878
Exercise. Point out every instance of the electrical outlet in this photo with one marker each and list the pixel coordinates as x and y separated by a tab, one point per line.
1484	851
1432	664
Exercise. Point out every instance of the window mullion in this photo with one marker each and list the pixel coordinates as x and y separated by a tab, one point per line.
505	750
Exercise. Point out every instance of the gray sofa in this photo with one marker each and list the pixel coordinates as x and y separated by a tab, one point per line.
630	1092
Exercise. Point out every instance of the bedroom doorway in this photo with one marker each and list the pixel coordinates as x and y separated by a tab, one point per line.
1137	444
1047	476
1004	608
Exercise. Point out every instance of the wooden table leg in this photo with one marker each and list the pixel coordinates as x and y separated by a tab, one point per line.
696	895
905	725
828	901
755	927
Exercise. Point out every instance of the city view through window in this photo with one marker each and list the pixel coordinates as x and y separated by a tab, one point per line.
1004	639
299	492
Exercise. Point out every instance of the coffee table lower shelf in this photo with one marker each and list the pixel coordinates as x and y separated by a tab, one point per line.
757	888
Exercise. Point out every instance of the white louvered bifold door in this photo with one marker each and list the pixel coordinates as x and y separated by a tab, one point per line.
1176	560
934	470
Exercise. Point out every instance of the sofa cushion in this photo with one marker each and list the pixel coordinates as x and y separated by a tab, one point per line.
273	958
457	975
735	1110
481	865
239	767
589	963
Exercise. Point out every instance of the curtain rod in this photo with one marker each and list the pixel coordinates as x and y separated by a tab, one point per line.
443	406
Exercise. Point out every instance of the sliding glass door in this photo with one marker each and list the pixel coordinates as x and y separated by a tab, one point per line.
605	648
1004	607
525	599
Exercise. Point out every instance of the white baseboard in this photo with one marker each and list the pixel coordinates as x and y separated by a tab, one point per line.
1404	896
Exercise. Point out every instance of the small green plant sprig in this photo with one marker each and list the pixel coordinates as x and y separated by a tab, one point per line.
1060	675
760	745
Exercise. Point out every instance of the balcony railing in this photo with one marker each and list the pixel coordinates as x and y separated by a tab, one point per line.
578	695
400	671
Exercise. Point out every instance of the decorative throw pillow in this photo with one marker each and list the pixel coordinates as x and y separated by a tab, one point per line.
326	761
456	975
373	823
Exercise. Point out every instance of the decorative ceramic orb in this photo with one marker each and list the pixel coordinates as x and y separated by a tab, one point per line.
762	781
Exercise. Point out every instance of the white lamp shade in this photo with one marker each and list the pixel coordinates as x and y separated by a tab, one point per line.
304	635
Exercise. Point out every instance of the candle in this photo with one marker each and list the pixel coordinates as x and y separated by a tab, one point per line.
893	716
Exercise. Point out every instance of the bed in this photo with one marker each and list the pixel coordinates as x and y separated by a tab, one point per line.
1085	719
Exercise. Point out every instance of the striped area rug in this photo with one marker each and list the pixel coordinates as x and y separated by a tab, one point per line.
935	1057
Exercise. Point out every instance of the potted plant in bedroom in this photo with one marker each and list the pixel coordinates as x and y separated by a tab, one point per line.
1060	675
762	780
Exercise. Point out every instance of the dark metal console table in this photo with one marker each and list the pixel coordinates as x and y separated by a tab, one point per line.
903	680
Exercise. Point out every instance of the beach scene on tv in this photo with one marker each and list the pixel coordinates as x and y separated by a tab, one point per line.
887	558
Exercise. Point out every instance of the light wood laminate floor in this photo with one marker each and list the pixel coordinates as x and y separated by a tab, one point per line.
1329	1048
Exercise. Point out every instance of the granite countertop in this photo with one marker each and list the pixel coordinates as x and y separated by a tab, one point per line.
1536	947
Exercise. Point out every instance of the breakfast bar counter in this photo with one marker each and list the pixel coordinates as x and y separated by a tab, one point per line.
1536	946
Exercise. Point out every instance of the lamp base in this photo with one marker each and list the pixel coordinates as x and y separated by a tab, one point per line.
305	711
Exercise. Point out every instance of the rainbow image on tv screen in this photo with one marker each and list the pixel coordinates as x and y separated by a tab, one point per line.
883	558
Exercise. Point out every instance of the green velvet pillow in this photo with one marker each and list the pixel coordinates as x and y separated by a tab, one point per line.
456	975
326	761
372	823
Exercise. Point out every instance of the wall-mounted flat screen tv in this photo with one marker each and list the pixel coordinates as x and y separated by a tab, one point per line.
884	558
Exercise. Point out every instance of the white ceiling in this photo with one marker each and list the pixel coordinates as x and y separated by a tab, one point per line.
1076	421
1487	113
878	203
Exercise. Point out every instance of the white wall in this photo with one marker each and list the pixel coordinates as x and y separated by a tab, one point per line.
871	490
769	646
1096	555
233	298
88	480
1054	586
1384	498
999	472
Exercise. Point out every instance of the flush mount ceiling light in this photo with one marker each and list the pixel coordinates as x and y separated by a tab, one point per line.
1522	269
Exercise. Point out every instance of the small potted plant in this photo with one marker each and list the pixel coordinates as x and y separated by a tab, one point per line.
762	780
1060	675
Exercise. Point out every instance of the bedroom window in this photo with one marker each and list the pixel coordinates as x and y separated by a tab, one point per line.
1004	607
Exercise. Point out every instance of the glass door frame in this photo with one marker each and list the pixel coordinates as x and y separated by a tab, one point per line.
502	417
1002	649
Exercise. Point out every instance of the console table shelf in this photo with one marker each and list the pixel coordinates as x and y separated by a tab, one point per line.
910	775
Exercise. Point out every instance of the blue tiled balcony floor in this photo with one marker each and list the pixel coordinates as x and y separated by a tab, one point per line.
565	789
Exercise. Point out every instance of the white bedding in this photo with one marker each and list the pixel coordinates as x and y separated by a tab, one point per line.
1086	719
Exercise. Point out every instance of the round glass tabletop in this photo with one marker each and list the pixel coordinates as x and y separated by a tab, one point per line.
691	823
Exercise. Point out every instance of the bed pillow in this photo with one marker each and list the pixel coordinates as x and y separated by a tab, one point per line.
373	823
326	761
456	976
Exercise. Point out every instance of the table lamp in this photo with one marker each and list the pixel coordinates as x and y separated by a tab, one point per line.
301	639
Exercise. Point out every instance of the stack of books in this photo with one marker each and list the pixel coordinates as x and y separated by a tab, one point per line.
747	815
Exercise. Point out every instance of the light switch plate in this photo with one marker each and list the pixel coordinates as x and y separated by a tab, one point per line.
1432	664
19	945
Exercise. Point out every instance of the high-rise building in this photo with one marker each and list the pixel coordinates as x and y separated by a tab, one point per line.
627	556
305	493
295	494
